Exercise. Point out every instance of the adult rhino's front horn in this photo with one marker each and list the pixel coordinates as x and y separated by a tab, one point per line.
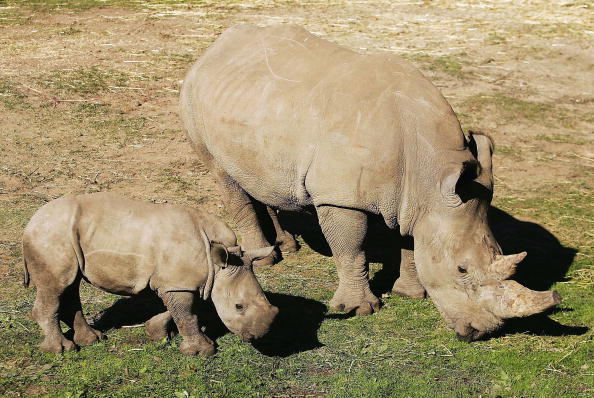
509	299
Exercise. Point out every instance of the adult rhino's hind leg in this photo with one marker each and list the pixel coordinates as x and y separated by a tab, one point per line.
284	240
408	283
72	315
345	231
242	210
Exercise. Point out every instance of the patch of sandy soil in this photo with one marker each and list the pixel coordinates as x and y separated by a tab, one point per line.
125	135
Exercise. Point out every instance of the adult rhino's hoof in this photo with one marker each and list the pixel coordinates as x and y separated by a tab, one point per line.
271	259
88	336
287	244
57	346
361	303
411	290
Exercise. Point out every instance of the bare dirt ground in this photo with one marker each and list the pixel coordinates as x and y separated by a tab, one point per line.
88	97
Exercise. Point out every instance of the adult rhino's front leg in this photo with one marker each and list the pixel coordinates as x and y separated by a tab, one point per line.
244	210
408	283
345	231
284	240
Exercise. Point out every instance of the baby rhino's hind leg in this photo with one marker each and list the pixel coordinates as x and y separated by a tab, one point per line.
160	326
45	312
71	313
51	277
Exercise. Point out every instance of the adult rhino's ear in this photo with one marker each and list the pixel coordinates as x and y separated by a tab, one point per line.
482	147
219	255
454	177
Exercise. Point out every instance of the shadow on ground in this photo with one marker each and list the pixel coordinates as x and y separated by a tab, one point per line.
294	330
547	262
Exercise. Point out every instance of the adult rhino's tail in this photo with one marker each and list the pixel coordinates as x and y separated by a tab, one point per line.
26	278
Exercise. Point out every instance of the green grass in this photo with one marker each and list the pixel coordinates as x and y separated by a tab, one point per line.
507	150
510	109
10	97
509	106
405	350
450	64
82	81
560	139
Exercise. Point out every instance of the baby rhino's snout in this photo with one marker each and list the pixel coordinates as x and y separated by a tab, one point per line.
261	324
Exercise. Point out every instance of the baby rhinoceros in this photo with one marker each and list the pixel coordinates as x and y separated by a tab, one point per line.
124	247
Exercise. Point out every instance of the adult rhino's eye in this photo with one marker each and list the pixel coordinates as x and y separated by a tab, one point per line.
239	306
462	270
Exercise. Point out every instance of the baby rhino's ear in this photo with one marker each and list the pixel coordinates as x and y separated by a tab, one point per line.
219	255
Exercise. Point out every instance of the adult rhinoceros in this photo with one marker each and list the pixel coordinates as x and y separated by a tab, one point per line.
289	120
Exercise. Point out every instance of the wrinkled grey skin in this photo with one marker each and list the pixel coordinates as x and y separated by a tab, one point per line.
288	120
124	246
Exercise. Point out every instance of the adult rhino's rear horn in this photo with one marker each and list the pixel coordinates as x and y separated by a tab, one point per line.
509	299
505	266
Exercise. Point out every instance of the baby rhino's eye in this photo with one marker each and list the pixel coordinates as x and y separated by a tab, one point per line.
461	269
239	306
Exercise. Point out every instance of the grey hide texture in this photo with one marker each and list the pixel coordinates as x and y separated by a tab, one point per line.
288	120
124	247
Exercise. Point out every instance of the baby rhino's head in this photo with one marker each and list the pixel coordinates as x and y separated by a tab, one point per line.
236	293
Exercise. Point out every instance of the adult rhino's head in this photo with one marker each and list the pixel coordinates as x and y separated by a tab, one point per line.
237	296
458	259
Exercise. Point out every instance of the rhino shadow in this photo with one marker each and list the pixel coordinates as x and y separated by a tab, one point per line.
294	329
382	245
129	311
547	262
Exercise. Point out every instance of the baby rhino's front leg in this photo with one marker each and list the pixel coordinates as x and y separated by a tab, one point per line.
179	305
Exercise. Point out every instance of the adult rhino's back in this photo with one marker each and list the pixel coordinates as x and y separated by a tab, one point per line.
297	120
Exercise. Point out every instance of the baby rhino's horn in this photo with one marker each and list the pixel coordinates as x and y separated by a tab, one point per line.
256	254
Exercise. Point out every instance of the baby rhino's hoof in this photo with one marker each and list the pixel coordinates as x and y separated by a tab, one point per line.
287	244
57	346
202	345
159	327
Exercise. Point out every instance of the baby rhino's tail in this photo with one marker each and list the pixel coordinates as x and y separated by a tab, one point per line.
26	278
